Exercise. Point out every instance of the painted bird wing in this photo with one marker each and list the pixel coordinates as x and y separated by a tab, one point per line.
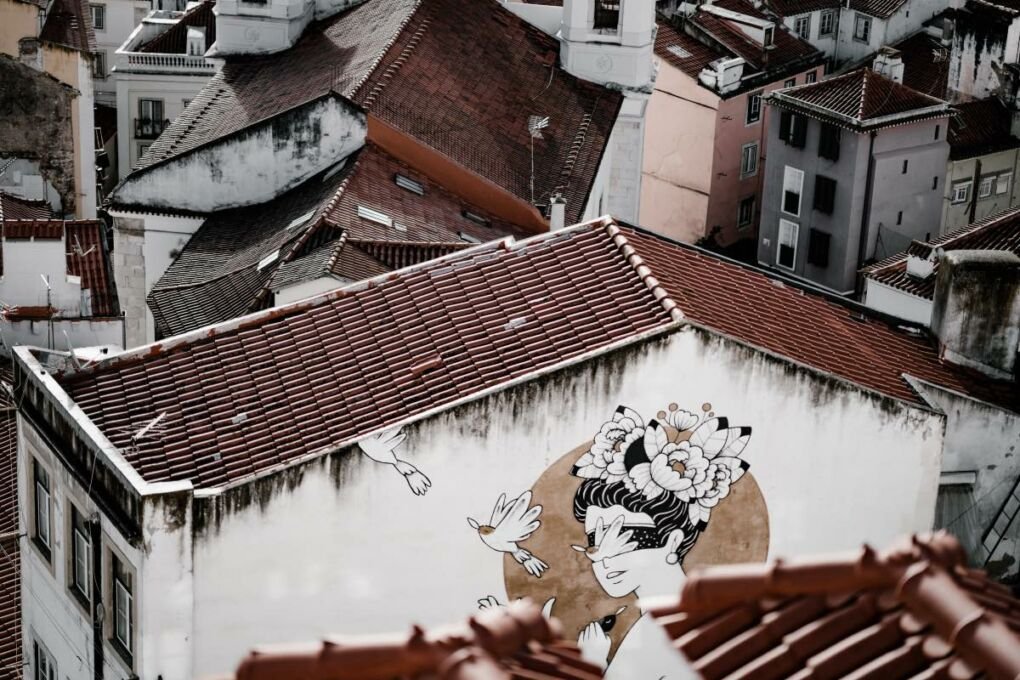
519	520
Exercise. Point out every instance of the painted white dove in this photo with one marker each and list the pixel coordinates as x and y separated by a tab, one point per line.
382	448
512	522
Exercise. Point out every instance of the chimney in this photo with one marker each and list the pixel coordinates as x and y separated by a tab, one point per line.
976	312
30	53
889	63
557	212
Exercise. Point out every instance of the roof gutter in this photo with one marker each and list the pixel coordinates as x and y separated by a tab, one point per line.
784	100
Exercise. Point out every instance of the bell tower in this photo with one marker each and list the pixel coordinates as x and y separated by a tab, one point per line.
609	41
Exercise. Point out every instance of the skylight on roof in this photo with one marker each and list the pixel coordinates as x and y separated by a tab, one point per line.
679	51
409	184
468	237
301	220
375	216
476	218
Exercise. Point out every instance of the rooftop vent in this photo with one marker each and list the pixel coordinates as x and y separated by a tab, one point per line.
476	218
409	184
268	260
678	51
298	221
375	216
468	237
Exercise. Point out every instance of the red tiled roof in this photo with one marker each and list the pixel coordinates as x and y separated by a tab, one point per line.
787	50
461	76
861	99
682	51
69	23
883	9
516	642
979	128
999	232
10	571
174	40
786	8
915	611
87	256
318	375
15	208
925	64
217	275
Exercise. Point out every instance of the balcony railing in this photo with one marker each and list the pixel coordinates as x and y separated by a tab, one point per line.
146	128
607	14
154	61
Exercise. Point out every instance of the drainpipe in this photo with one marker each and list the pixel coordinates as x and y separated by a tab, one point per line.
96	570
974	188
862	246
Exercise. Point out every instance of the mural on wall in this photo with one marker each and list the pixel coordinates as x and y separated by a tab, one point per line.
382	448
511	523
624	516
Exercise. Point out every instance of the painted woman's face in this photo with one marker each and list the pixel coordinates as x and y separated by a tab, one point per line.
623	546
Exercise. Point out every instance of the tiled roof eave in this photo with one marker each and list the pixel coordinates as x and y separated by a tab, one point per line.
900	287
927	113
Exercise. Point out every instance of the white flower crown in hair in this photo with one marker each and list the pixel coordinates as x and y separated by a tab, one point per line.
694	458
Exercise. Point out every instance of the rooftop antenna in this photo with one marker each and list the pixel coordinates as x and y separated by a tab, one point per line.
70	347
78	250
535	126
49	307
140	434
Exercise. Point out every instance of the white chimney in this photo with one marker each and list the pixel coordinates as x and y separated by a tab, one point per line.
976	311
920	267
609	41
196	41
557	212
889	63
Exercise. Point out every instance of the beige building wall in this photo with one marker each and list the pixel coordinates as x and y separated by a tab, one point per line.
679	156
17	20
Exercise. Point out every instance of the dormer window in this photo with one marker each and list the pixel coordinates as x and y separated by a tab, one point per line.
607	15
769	37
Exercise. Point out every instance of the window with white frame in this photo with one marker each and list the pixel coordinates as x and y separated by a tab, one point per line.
42	508
98	17
862	27
985	187
827	23
749	160
793	188
802	26
811	77
790	83
961	192
1003	182
81	557
753	108
123	627
786	255
45	666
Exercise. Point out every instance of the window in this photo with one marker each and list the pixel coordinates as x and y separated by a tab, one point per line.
828	142
99	65
811	77
123	608
935	183
818	248
150	121
790	83
607	14
793	185
45	667
793	129
787	255
98	17
753	108
827	24
768	36
81	556
825	194
1002	184
862	28
899	218
749	160
938	131
906	165
42	508
745	213
961	192
985	187
802	26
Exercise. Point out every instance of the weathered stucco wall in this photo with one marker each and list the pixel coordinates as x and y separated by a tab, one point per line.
37	123
343	545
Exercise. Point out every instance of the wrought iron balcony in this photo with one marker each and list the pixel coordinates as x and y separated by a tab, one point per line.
146	128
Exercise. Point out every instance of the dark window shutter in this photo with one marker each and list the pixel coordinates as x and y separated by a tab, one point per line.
799	133
784	125
828	142
825	194
818	248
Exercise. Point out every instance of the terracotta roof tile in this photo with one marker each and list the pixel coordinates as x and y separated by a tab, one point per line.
174	40
861	99
883	9
786	8
497	644
925	64
225	270
979	128
10	572
912	612
421	66
15	208
684	52
69	23
999	232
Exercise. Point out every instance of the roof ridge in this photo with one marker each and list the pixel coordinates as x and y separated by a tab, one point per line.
643	271
386	48
401	59
864	94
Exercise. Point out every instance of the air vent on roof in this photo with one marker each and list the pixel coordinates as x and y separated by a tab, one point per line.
301	220
409	184
476	218
679	51
374	216
268	260
468	237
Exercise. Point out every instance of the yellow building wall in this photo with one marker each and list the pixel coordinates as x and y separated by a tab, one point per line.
18	20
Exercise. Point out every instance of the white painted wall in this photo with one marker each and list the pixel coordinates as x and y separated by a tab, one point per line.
837	467
544	17
889	300
306	289
628	143
122	16
253	166
81	332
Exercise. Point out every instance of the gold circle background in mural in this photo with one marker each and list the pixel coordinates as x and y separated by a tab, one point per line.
737	532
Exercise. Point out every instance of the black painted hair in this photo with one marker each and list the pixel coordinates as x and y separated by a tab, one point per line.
667	511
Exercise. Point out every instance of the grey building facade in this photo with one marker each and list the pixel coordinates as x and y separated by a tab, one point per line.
854	173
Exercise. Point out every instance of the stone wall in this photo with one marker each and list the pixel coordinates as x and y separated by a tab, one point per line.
36	124
129	274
